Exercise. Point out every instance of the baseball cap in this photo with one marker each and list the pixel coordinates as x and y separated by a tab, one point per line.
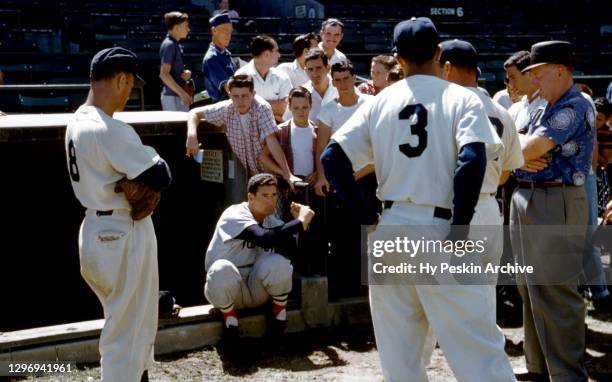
459	52
116	59
550	52
415	38
221	18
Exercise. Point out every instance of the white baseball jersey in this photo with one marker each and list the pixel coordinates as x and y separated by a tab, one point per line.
511	156
274	87
100	151
224	244
412	131
334	115
522	111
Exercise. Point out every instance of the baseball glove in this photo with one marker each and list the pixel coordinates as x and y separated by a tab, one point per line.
141	197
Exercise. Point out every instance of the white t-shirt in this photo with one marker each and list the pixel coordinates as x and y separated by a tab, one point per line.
334	115
511	156
522	111
412	131
338	56
297	75
100	151
302	139
503	98
275	87
224	245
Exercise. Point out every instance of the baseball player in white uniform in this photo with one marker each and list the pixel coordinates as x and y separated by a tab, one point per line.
242	266
459	62
426	138
118	255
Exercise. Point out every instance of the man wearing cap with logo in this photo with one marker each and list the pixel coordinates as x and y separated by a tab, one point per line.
118	251
218	66
426	138
554	196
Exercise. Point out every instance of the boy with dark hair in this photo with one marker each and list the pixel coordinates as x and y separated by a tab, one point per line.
295	69
172	72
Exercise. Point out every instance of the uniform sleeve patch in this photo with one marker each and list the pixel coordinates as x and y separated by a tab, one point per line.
562	119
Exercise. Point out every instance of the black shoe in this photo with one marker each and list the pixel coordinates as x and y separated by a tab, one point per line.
603	305
275	328
531	376
230	336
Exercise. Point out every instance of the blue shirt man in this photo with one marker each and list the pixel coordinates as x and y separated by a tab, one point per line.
570	123
217	65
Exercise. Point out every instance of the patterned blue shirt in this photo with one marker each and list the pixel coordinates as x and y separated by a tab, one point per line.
171	52
570	122
217	68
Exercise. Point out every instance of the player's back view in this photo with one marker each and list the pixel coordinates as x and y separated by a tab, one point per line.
426	138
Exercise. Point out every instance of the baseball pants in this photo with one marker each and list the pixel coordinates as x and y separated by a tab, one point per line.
248	287
172	103
487	222
553	314
461	317
119	262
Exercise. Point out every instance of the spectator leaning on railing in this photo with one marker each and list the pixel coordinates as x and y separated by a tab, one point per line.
249	124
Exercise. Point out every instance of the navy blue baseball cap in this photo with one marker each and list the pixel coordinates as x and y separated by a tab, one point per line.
116	59
415	38
459	52
550	52
221	18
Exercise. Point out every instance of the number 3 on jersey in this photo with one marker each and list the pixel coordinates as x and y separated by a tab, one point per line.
417	129
72	164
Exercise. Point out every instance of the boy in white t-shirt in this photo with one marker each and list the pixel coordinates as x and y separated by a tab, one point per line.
297	138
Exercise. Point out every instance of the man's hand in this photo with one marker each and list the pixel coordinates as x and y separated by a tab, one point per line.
535	165
192	145
186	98
302	213
311	179
291	179
186	75
321	186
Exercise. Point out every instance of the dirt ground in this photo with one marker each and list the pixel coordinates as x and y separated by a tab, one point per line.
332	355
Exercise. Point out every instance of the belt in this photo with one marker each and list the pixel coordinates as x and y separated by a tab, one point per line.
439	212
540	184
104	213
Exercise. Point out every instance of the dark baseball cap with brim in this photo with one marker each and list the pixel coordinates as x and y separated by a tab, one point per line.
550	52
414	35
221	18
459	52
117	59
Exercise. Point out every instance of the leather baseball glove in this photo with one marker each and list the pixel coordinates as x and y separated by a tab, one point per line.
141	197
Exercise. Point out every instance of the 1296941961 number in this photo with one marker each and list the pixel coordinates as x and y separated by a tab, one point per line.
37	367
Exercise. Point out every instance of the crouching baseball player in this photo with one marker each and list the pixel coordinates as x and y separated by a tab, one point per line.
243	268
118	180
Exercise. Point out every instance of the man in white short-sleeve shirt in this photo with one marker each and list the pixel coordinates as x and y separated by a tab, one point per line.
118	255
271	84
332	32
426	138
295	69
319	86
334	114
